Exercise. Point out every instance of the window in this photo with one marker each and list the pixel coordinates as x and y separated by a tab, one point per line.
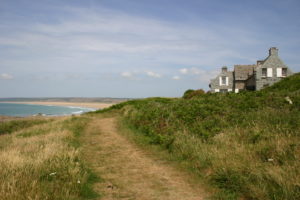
284	72
279	72
223	80
223	90
269	72
264	72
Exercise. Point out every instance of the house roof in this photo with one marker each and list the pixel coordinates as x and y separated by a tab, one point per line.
260	62
242	72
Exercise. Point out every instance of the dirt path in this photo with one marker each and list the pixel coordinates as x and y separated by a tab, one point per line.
128	172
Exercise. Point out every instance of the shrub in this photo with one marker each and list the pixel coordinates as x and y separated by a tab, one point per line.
193	93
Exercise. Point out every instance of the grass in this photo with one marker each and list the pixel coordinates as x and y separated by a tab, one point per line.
77	126
14	125
41	161
246	144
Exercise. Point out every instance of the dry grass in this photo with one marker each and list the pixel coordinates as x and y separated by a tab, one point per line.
259	171
38	163
128	171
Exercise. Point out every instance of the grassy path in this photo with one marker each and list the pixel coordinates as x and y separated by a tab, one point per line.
127	170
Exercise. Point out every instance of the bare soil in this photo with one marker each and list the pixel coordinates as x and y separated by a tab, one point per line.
129	172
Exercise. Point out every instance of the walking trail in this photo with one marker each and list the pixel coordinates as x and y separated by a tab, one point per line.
128	171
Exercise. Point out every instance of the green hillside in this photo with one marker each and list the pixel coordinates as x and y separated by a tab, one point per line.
246	145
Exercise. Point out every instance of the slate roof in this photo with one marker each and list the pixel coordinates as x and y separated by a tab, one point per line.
243	72
261	62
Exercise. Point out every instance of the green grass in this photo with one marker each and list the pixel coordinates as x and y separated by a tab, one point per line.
246	144
77	126
41	159
15	125
87	189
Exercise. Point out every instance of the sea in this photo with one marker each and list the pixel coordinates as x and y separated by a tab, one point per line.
24	110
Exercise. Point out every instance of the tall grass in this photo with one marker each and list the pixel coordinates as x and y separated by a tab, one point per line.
41	163
14	125
245	144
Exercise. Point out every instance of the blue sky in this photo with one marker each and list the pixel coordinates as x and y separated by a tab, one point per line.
136	48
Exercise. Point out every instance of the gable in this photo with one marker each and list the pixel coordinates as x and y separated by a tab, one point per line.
273	61
217	82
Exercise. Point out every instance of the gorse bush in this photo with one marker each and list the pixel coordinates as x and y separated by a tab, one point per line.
246	144
192	93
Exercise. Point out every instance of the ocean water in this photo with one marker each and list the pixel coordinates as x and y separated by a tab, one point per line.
22	110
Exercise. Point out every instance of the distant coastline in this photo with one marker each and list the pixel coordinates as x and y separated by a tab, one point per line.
92	105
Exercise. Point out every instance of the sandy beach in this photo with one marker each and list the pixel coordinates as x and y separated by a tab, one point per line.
75	104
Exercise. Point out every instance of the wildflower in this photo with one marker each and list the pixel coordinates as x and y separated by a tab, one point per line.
52	174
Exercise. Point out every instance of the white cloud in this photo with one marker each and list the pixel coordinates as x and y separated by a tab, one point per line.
137	75
192	71
200	74
128	75
184	70
196	71
153	74
5	76
176	78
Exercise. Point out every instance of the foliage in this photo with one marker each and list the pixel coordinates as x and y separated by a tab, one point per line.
246	144
187	93
193	93
14	125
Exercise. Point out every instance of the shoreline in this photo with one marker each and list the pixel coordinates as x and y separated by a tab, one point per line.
90	105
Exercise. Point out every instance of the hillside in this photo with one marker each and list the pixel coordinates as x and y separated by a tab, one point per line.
245	144
227	146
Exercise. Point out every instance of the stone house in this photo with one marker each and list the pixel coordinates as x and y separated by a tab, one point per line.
224	82
251	77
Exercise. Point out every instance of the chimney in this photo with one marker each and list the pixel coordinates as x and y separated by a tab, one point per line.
224	69
273	51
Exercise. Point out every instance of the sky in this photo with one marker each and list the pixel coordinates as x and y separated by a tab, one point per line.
137	48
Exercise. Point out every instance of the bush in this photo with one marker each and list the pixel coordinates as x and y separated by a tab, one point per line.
192	93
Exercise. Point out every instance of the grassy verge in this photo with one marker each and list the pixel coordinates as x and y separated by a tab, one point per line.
15	125
77	126
41	162
246	144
